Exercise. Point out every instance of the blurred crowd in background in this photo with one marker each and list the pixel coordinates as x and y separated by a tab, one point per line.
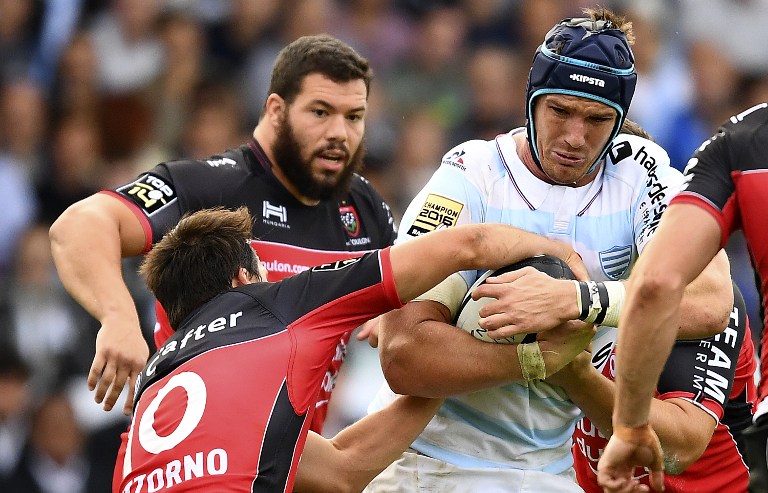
93	92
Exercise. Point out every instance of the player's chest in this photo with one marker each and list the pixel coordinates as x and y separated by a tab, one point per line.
332	226
600	230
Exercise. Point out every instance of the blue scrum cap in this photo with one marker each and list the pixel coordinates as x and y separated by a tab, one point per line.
586	58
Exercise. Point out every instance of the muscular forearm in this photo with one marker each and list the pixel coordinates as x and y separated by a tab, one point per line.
350	460
644	343
651	316
591	392
468	247
684	431
434	359
416	341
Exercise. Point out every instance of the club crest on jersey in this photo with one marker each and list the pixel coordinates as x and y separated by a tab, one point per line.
151	193
437	212
350	220
615	261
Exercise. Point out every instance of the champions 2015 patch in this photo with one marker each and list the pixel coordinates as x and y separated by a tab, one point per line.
149	192
437	212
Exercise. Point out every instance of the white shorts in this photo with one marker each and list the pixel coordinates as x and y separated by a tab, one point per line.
416	473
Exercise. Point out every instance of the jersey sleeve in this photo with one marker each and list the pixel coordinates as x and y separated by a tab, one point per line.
162	195
322	303
154	199
708	181
337	296
737	148
702	371
455	194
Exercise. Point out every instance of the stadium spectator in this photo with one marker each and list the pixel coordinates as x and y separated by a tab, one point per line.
15	401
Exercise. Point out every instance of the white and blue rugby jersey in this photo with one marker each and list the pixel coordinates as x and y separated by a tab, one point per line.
609	221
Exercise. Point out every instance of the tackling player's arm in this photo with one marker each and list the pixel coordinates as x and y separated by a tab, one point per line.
425	261
683	428
88	242
419	339
351	459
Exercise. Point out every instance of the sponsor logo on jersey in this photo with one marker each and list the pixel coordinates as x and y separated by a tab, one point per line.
275	215
656	200
225	161
180	469
151	193
615	261
350	220
436	213
338	265
455	160
619	152
713	374
283	260
601	355
594	81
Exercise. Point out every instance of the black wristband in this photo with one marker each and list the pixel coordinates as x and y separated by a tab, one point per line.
586	301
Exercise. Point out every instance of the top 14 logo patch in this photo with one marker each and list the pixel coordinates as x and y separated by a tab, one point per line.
151	193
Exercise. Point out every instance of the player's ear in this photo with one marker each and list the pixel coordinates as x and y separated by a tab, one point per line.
274	108
243	277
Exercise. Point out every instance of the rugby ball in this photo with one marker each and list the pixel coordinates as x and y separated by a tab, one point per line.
468	313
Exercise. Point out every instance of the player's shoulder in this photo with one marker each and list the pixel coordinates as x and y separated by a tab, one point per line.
632	157
747	130
750	120
230	163
474	158
361	190
360	185
368	199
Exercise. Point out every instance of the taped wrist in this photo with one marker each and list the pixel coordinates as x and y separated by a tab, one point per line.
600	302
531	361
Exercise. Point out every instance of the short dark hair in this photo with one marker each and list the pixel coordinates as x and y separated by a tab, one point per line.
322	54
198	258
